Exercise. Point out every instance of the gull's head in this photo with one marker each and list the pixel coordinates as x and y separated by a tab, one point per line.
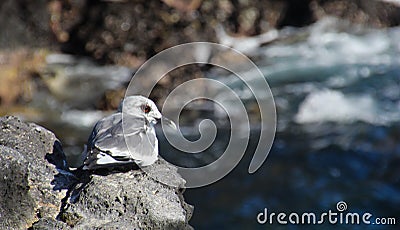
143	107
140	106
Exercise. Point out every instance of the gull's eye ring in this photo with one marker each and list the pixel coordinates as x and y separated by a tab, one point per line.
146	108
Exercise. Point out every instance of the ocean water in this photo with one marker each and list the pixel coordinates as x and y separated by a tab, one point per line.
337	92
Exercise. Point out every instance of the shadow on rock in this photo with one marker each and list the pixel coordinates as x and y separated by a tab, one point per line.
121	197
71	180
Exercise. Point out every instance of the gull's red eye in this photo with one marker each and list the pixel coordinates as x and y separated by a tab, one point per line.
146	108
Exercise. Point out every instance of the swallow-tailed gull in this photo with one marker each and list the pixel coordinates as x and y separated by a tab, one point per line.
107	144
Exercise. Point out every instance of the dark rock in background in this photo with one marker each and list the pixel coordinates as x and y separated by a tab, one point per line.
129	32
373	13
25	23
117	201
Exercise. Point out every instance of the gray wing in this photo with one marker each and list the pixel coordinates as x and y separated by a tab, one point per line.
107	146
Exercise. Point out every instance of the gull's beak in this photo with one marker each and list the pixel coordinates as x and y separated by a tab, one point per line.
169	122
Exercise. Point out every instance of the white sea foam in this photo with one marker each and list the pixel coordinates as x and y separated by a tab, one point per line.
331	43
331	105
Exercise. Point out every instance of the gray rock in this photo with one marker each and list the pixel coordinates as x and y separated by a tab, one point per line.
40	192
26	194
130	200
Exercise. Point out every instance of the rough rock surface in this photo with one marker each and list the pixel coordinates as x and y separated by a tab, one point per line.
129	200
26	193
35	195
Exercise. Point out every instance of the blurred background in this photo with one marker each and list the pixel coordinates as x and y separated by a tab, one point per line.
333	67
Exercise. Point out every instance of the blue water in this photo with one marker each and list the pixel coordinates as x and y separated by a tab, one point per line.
337	93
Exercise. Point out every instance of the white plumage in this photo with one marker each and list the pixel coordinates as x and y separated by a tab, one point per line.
107	146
